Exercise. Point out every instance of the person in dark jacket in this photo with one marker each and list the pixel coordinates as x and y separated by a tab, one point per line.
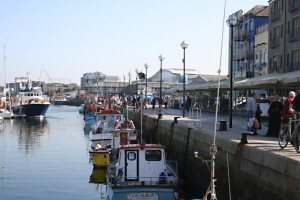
258	117
153	102
274	113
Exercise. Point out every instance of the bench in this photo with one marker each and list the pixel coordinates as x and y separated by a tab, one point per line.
244	136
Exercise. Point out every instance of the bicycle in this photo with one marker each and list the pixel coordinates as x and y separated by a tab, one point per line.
286	135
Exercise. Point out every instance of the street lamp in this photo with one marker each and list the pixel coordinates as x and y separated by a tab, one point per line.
146	66
231	22
160	97
184	46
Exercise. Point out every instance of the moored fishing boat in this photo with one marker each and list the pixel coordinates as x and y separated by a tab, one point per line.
30	102
59	100
110	132
142	172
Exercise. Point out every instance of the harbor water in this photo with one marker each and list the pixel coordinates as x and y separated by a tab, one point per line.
46	159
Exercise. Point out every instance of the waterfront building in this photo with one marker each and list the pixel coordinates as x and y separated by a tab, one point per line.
52	89
172	77
284	36
102	84
244	40
261	50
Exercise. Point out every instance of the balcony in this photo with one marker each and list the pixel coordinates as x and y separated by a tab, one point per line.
241	35
274	16
243	54
274	43
294	35
260	66
294	5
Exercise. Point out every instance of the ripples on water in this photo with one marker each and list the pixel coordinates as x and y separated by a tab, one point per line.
47	159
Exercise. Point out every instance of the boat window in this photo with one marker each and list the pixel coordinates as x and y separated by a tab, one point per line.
153	155
131	156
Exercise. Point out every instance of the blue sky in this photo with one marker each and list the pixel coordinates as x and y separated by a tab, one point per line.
68	38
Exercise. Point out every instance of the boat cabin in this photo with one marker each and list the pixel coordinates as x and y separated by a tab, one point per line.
142	164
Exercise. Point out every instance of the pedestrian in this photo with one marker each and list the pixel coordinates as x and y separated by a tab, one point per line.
295	104
188	103
286	111
258	116
251	108
153	102
166	102
274	113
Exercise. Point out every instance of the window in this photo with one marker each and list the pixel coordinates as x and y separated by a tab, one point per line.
260	56
131	156
295	59
251	25
153	155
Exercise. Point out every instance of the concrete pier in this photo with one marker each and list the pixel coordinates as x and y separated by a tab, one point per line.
258	170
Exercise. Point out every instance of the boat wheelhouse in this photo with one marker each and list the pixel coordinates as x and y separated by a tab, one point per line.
141	170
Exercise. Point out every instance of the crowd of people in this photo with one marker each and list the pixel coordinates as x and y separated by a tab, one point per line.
278	112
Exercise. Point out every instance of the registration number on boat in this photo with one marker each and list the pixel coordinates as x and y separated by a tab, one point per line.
142	196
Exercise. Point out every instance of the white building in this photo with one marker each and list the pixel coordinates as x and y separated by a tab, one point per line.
99	83
173	75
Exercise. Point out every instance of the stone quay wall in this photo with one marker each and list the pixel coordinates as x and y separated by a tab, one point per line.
255	173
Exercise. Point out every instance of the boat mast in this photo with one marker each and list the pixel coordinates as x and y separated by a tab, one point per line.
213	147
4	64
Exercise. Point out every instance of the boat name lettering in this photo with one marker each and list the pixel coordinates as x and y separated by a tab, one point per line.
142	196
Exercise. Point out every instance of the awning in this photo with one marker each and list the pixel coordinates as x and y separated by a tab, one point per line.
274	80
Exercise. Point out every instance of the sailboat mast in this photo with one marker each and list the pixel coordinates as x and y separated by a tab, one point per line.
4	65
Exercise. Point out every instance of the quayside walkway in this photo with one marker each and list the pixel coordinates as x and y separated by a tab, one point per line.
239	124
259	169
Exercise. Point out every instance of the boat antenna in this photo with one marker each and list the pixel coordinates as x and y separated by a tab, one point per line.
213	148
141	105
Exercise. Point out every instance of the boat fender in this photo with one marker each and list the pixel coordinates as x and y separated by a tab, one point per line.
162	178
116	124
120	173
132	124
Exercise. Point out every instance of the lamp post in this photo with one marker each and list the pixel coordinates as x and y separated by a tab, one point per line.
231	22
146	66
184	46
160	97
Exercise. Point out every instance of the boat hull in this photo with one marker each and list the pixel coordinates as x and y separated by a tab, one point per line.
58	102
89	118
6	114
100	158
32	110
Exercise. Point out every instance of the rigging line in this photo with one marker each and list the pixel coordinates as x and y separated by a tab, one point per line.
229	187
219	72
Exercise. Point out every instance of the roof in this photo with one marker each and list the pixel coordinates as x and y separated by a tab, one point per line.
259	11
141	146
289	79
180	71
275	80
207	77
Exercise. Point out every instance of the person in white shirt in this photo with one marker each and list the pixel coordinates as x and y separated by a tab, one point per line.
251	107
